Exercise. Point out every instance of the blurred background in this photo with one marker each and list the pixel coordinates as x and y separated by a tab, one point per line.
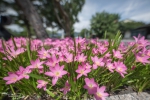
74	18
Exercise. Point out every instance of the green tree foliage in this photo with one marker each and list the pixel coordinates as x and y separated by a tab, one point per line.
124	26
105	22
85	33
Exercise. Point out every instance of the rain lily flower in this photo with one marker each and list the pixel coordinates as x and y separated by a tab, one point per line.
120	68
69	57
52	61
82	71
36	64
23	72
101	94
148	53
91	85
66	88
108	55
110	66
56	72
142	58
86	65
43	54
97	62
102	48
94	51
12	78
42	84
117	54
14	53
81	58
140	41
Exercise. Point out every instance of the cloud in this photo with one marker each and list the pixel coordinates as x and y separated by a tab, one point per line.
84	17
128	9
82	24
141	17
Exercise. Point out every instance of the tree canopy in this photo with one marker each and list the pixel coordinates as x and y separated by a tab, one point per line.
104	21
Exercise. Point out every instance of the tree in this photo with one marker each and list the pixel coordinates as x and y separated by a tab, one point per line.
85	33
124	26
33	17
61	13
104	21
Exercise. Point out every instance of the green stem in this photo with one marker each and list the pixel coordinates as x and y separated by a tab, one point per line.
12	90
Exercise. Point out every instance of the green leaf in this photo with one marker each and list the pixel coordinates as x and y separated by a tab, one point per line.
50	93
36	76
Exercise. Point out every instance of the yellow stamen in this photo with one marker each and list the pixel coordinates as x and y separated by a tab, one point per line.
57	73
99	94
82	71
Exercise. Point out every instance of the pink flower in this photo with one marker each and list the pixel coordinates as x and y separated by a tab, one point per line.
14	53
140	41
36	64
142	58
66	88
81	58
120	68
43	54
97	62
91	85
61	58
117	54
107	55
42	84
56	72
12	78
23	72
41	71
102	48
86	65
69	57
100	94
110	66
95	51
148	53
82	71
52	61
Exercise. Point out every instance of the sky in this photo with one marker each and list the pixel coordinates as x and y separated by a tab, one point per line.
138	10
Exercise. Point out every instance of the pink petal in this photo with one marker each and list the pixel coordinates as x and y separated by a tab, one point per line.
54	80
49	74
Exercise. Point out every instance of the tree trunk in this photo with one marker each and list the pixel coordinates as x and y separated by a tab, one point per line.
33	18
66	24
28	27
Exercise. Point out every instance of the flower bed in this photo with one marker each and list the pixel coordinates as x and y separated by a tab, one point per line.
73	68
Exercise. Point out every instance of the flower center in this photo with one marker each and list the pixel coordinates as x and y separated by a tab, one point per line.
140	59
97	63
90	85
82	71
148	53
45	54
80	59
44	83
57	73
119	69
99	94
14	79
